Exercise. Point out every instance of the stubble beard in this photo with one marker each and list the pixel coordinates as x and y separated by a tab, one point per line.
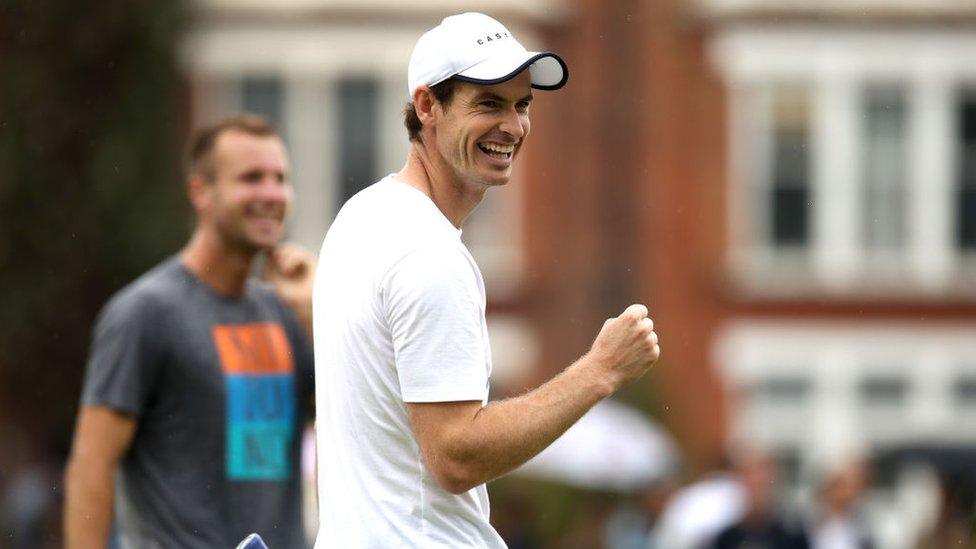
233	236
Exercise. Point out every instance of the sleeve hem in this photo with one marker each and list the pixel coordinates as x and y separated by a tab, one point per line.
108	403
445	396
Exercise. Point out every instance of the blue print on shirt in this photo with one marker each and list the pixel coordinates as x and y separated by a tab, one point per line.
260	427
260	400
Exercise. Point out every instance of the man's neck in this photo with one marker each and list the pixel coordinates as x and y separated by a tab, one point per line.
452	197
223	269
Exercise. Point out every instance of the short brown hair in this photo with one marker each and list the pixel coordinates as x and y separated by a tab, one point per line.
443	93
205	139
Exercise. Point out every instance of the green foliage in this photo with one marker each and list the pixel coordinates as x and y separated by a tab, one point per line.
551	512
91	117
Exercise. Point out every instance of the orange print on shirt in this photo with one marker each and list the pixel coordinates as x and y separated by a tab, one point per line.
248	349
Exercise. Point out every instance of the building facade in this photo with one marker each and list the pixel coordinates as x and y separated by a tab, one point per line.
791	189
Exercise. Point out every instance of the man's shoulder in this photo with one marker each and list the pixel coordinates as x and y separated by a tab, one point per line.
392	204
391	220
152	292
367	201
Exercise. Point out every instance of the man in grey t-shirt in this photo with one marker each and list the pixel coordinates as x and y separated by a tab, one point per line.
199	378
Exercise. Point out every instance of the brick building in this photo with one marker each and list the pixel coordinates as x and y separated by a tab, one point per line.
791	189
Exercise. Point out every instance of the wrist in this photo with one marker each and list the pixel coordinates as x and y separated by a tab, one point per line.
596	373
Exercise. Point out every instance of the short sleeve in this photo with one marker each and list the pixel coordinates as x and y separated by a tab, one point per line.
434	307
124	357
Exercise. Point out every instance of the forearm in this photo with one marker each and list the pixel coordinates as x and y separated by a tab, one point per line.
503	435
465	444
89	498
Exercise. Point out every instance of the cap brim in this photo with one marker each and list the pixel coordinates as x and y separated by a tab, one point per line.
548	70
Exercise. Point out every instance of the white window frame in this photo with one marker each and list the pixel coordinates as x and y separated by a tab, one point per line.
838	63
835	358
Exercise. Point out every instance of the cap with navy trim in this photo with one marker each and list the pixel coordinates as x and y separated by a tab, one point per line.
476	48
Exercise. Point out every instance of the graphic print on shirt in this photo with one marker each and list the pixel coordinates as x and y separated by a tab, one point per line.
260	402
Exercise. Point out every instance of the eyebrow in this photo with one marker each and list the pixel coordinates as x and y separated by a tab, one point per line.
496	97
283	174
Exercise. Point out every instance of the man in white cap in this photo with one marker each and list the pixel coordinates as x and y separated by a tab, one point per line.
406	439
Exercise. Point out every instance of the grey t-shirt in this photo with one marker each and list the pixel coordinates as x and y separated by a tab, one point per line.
219	387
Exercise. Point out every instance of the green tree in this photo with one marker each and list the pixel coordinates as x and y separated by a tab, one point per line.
91	118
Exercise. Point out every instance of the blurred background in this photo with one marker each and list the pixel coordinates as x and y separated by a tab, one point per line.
789	186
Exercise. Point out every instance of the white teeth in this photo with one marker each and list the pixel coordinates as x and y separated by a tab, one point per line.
496	148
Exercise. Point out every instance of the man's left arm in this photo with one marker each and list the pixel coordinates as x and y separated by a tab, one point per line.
291	271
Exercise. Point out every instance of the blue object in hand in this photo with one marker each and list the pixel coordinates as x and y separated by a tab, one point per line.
253	541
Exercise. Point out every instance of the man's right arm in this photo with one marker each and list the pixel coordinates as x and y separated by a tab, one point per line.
465	444
102	437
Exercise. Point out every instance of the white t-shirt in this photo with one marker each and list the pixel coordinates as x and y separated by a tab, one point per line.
399	316
837	533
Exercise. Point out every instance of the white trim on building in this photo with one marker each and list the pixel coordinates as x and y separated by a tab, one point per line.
807	386
861	8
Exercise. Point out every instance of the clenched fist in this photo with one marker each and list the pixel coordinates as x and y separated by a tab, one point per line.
626	346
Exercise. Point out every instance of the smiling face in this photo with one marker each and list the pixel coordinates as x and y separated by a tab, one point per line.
481	130
248	199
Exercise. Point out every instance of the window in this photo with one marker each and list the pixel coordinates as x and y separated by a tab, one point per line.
852	164
264	96
884	168
883	391
966	172
357	105
964	392
790	168
782	390
882	383
776	401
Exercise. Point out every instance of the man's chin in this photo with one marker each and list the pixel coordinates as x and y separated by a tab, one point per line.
497	181
260	244
497	178
265	243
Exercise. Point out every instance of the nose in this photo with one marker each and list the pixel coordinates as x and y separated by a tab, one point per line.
273	189
515	123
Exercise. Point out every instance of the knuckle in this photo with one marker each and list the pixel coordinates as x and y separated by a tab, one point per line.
647	326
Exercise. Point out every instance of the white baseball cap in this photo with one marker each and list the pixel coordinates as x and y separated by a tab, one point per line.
473	47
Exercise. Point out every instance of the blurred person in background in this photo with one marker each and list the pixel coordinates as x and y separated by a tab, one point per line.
199	376
631	523
837	521
697	512
955	522
761	526
408	440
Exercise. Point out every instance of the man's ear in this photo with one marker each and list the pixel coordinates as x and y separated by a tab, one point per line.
423	103
200	192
